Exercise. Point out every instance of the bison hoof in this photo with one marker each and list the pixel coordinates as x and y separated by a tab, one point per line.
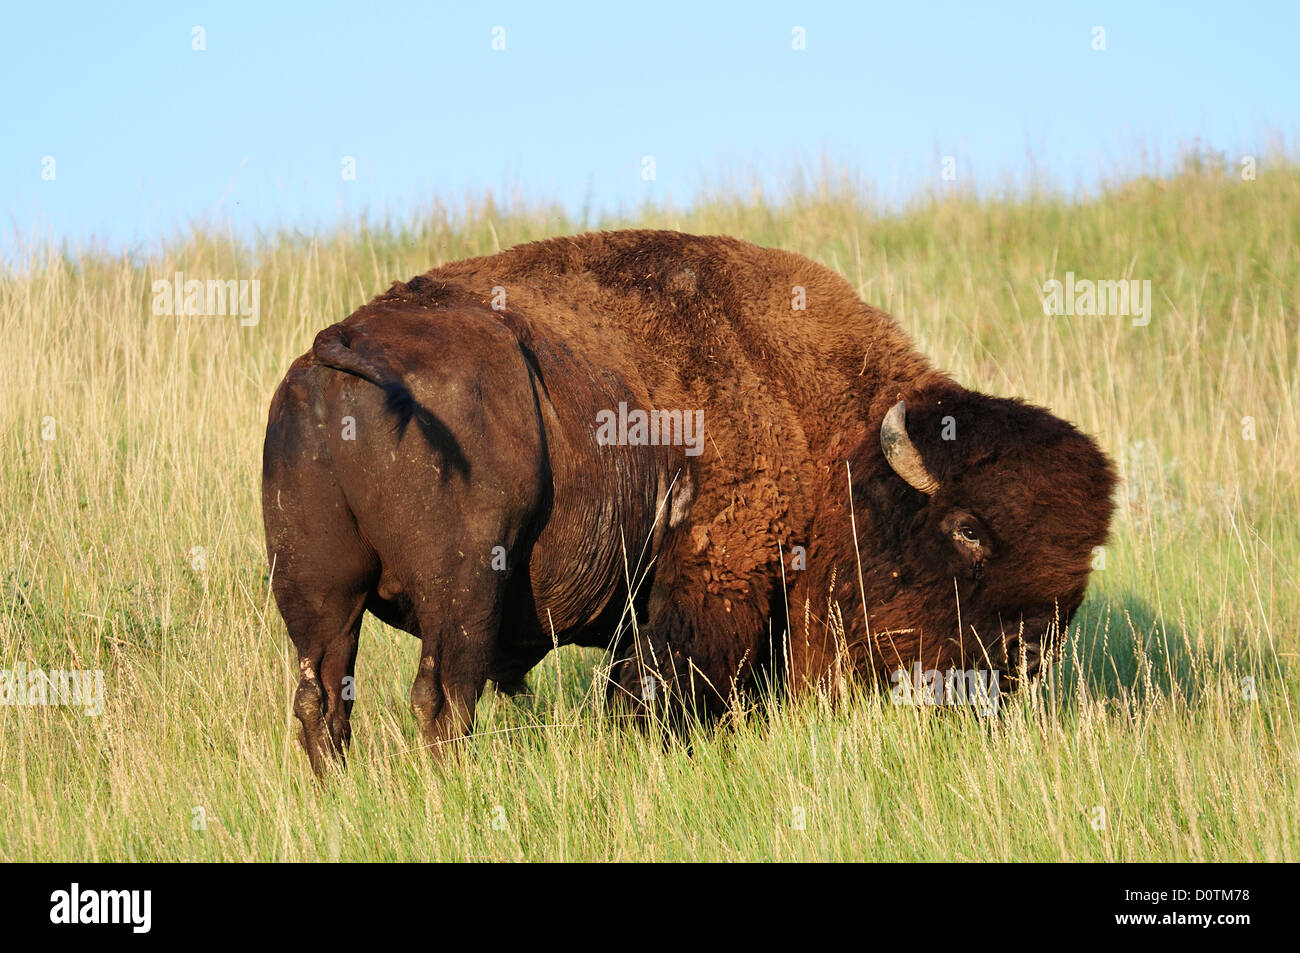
514	685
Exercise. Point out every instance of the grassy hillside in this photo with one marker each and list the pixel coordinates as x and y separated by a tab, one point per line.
131	542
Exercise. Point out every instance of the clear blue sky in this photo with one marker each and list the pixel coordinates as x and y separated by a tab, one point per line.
148	134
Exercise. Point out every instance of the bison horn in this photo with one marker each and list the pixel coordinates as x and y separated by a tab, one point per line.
902	453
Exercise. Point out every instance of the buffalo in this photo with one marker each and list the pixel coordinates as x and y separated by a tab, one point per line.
710	458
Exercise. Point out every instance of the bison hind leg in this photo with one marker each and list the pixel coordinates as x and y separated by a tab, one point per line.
326	641
458	638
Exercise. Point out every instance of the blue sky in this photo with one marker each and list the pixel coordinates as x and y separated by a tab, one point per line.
149	135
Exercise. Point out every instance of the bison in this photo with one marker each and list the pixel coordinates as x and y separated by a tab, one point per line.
505	454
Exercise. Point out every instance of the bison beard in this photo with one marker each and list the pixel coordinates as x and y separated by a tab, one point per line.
499	526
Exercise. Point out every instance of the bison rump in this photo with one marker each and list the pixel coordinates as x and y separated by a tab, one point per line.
421	525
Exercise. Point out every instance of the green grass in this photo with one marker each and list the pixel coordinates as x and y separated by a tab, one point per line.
159	422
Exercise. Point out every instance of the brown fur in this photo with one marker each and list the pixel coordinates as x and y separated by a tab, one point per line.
476	428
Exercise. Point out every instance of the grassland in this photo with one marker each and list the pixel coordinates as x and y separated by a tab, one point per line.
1169	732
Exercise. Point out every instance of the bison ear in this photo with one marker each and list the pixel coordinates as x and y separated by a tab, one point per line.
901	454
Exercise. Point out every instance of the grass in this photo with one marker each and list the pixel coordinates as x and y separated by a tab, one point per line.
131	542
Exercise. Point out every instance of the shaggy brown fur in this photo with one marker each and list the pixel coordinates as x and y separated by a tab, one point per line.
476	428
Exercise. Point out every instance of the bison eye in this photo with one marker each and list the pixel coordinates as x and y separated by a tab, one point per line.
968	535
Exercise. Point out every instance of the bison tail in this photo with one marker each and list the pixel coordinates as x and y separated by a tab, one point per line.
333	348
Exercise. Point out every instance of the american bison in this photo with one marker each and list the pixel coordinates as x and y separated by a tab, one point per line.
708	457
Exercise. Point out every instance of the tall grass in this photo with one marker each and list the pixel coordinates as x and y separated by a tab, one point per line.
131	542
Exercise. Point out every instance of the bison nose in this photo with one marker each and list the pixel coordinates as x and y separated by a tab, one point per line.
1026	641
1024	653
1023	648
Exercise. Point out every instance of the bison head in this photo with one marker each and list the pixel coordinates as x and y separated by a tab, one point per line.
984	517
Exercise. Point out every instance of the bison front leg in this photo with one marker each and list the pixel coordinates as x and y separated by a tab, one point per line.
664	670
826	636
642	677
